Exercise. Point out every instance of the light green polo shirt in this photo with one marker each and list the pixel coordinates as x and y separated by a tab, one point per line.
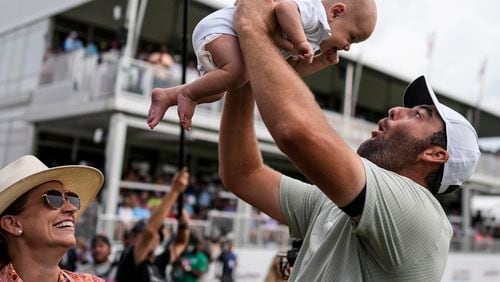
403	234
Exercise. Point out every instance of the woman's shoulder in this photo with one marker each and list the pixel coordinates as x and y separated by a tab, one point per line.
80	277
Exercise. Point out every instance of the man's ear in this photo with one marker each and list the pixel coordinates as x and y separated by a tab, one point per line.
336	10
10	224
435	155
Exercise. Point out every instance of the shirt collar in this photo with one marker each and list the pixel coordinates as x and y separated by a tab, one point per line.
9	272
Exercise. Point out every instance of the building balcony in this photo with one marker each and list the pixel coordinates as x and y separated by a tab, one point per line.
73	84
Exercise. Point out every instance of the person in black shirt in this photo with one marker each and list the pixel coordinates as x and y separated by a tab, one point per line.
228	261
138	262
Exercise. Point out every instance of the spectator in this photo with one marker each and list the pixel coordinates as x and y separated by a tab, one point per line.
161	57
91	49
101	265
141	210
228	261
193	264
76	255
126	211
69	260
72	42
162	61
138	262
154	201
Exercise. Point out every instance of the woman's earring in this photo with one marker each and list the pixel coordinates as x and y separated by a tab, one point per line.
20	232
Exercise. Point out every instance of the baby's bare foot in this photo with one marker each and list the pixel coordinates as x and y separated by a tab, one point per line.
185	109
161	100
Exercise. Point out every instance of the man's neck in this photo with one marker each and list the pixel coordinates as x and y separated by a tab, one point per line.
415	175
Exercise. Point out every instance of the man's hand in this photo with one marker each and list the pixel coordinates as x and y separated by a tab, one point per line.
281	42
180	180
252	15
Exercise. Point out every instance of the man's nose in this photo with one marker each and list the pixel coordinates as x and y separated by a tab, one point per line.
395	112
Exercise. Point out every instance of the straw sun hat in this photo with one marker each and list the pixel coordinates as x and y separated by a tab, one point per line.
28	172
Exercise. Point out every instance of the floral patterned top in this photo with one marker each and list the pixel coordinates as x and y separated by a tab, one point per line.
9	274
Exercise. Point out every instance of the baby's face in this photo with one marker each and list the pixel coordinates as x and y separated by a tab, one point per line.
344	33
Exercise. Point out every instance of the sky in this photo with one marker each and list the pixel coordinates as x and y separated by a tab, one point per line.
465	35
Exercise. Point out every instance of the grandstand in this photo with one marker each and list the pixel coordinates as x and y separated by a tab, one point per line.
71	107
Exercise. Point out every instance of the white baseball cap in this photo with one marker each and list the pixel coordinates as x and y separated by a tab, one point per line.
462	146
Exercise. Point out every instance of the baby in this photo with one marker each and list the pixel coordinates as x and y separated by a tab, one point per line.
310	25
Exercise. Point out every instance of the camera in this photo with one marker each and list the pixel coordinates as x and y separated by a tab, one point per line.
287	260
291	255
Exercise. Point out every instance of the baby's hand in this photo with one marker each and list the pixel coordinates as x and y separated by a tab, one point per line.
330	57
305	51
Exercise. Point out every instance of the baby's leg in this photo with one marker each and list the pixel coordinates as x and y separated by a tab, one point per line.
231	73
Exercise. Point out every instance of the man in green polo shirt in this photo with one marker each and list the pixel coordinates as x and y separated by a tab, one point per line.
371	215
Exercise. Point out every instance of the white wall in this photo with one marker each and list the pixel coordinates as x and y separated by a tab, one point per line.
462	267
253	265
14	13
16	139
21	54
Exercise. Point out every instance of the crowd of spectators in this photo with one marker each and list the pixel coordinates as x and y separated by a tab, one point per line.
166	67
204	193
214	257
181	252
74	42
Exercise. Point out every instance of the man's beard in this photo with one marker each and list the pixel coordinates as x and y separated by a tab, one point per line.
394	153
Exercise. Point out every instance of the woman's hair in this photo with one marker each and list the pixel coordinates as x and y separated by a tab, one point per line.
14	209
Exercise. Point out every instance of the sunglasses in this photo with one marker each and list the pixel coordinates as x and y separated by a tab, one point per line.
55	199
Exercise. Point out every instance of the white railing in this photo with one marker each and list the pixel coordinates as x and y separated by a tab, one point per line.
60	67
261	231
138	78
119	227
89	74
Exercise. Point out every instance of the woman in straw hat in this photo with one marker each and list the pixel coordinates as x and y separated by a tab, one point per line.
38	210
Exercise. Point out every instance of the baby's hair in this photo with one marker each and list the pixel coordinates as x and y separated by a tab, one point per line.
361	12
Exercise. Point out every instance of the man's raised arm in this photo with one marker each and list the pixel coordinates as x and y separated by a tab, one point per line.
290	111
241	167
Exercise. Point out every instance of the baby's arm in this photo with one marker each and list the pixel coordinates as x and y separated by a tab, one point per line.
288	16
320	62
